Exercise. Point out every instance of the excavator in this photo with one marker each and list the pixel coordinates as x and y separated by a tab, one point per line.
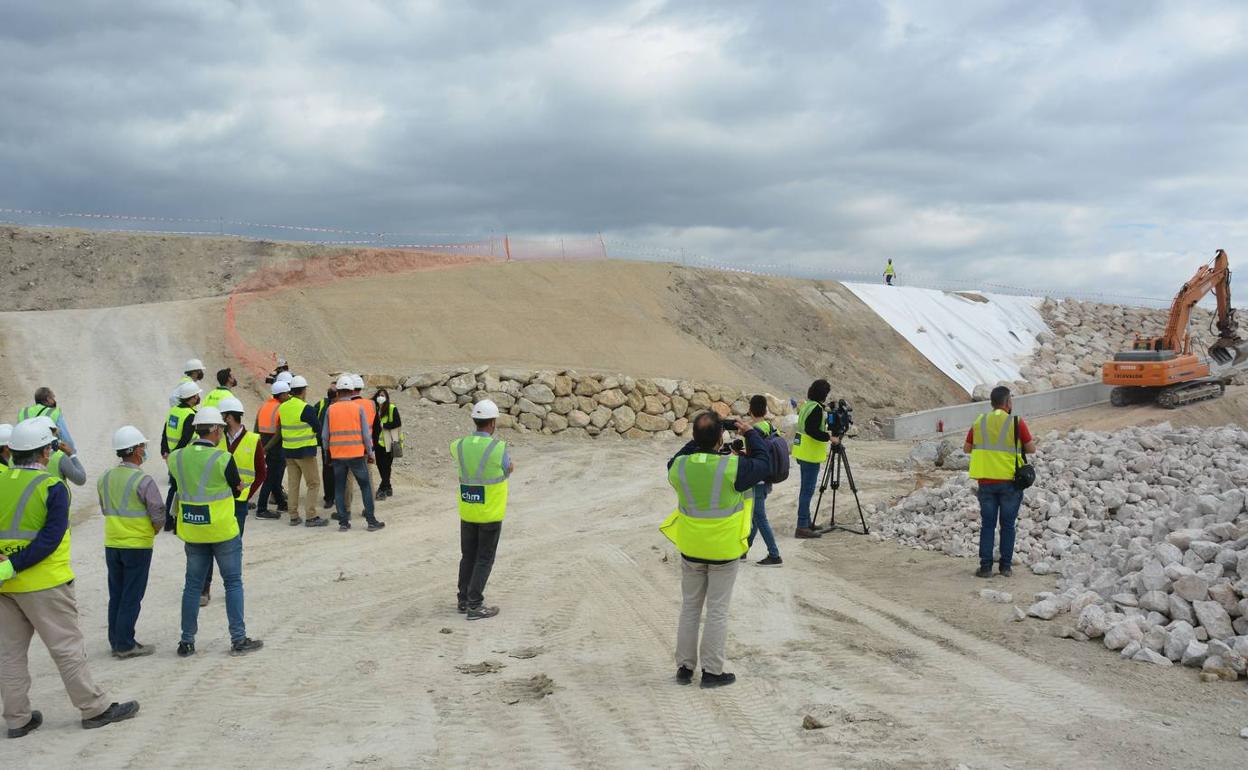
1165	369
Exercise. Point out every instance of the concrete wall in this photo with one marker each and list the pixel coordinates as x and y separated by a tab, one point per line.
960	416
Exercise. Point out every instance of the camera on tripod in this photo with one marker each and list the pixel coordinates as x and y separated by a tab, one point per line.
840	418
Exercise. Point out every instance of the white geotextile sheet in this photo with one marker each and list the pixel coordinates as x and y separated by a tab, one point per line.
970	341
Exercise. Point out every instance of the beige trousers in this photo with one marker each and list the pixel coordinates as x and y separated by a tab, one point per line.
307	470
709	584
53	614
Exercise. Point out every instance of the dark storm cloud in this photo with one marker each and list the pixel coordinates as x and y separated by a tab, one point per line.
1077	145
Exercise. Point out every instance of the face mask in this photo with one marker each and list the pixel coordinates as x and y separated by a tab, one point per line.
381	399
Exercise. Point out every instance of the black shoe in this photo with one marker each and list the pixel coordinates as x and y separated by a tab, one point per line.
36	719
186	649
1006	571
283	508
137	651
983	572
344	526
267	514
375	525
244	646
807	534
771	561
717	680
251	506
684	675
295	521
327	504
316	521
481	613
118	712
461	607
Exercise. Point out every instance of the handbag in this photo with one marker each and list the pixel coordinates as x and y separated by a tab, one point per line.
396	447
1024	472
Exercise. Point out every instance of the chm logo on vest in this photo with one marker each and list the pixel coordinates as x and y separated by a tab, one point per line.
472	494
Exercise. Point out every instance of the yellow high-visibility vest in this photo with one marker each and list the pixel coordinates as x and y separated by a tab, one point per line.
482	478
805	448
712	519
993	452
23	512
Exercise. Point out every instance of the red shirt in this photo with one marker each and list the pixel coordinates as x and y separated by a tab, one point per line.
1024	437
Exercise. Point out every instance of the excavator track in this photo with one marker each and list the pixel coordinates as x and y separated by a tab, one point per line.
1189	393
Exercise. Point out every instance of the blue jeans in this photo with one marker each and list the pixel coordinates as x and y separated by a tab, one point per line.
359	468
998	502
810	480
240	513
229	558
127	584
760	523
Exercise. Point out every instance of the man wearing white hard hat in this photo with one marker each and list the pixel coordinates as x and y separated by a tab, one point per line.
133	514
370	412
6	431
37	588
273	375
46	404
179	430
64	464
266	427
244	447
192	371
299	430
484	466
208	483
348	436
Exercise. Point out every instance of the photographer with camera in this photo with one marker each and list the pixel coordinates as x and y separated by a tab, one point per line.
758	413
810	449
710	526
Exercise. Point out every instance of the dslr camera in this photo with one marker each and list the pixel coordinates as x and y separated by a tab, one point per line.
840	417
737	444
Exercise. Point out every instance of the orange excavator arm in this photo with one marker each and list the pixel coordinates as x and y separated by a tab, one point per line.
1215	277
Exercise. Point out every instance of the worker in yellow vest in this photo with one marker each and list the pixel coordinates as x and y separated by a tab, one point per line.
46	404
811	443
192	371
484	467
37	588
208	483
890	273
994	446
64	464
244	447
710	527
179	430
133	514
225	381
298	426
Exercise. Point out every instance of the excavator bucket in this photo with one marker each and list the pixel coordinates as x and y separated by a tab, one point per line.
1231	353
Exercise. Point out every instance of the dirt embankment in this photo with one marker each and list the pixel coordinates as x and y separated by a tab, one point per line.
58	269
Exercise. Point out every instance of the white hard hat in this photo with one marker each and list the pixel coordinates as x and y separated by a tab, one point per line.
485	409
127	437
6	431
279	387
283	377
193	365
297	382
187	390
30	435
344	383
281	362
230	404
209	415
357	382
46	421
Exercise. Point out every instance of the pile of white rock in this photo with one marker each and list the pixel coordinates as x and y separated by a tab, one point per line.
1082	336
1146	528
568	402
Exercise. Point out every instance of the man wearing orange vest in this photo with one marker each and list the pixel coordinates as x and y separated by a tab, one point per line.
370	412
347	435
274	460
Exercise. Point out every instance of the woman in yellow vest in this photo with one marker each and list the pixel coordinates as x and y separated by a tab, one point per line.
484	468
387	435
810	448
710	527
133	514
208	483
37	587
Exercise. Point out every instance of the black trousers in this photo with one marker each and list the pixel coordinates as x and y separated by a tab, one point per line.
385	461
477	545
327	478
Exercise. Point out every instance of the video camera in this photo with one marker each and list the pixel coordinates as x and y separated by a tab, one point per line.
840	417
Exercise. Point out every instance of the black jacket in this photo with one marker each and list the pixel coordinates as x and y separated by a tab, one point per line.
816	426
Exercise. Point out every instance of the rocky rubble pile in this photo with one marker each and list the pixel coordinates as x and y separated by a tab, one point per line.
1147	530
564	401
1084	335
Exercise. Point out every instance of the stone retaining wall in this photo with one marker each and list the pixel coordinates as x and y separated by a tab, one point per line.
565	401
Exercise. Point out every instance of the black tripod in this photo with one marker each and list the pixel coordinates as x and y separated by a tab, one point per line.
832	478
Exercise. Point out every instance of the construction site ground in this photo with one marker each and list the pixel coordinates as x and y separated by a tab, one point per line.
908	666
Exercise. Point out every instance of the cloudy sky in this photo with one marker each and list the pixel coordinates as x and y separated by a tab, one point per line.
1095	145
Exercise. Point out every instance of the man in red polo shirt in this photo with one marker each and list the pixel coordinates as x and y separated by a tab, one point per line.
994	449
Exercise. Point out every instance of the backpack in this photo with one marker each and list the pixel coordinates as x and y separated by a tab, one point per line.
777	456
